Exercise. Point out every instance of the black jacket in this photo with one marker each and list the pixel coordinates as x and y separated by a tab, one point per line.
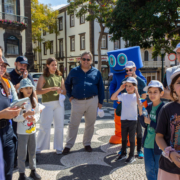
153	124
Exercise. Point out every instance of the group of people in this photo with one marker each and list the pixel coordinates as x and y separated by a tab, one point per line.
85	89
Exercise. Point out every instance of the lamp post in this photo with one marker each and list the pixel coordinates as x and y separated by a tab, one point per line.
162	70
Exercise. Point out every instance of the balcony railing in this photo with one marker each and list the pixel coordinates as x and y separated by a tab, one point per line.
59	55
152	64
13	20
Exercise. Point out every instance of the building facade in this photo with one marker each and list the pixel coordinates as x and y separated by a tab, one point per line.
15	30
76	36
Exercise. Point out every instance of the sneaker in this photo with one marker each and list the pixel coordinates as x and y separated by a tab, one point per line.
22	176
88	148
35	175
121	157
140	155
130	159
120	152
66	151
58	152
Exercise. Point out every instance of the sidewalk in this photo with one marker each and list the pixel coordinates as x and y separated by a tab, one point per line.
81	165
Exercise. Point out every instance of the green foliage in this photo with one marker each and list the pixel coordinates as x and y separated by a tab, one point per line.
148	23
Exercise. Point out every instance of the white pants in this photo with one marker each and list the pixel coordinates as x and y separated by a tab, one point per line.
52	110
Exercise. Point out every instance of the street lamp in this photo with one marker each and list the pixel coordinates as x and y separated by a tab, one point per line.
162	70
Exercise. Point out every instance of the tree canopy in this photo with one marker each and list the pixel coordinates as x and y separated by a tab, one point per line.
97	10
147	23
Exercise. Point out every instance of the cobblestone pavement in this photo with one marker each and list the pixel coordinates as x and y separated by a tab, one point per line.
80	165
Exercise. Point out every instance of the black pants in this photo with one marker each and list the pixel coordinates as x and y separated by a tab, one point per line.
128	127
8	145
139	135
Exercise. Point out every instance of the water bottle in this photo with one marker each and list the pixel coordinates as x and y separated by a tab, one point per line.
144	111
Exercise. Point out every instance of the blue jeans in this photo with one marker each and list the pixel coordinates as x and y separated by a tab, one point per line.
151	161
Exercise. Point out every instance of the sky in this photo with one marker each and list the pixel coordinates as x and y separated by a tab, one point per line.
56	4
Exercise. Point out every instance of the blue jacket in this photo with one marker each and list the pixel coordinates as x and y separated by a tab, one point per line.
153	125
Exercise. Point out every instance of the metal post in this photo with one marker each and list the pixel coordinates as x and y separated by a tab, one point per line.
162	70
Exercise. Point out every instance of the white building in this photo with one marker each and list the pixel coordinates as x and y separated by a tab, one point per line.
15	30
76	36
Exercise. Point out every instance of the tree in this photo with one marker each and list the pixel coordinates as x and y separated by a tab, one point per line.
148	23
98	10
43	17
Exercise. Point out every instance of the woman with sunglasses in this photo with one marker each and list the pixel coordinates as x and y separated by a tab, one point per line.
51	85
85	90
6	114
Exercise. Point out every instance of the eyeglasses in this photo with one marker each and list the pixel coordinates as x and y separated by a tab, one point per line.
129	70
84	59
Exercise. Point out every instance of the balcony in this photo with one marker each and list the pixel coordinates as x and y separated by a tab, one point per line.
152	64
12	21
59	55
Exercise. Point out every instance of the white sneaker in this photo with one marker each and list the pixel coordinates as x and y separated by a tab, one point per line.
58	152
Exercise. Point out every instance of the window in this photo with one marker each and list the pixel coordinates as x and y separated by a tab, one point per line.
50	30
60	23
117	44
12	45
156	58
45	49
10	6
82	42
51	47
44	32
104	42
146	56
72	42
82	19
72	20
61	54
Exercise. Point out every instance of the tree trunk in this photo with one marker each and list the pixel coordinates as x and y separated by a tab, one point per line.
99	47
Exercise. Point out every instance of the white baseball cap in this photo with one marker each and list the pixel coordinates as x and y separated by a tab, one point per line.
130	64
130	80
175	73
154	83
177	47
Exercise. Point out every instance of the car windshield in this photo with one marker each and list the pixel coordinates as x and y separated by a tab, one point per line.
36	75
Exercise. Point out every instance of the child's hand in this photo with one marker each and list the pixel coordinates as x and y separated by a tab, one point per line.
147	120
122	87
29	113
31	119
135	88
175	158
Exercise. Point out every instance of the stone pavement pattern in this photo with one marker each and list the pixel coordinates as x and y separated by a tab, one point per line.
81	165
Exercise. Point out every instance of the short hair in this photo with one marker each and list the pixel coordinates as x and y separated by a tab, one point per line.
1	48
160	90
87	52
172	92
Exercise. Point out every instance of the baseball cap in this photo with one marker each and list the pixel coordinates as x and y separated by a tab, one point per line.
26	83
177	47
130	64
130	80
154	83
175	73
22	60
5	60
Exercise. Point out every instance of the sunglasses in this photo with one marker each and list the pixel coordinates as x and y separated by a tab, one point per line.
84	59
130	70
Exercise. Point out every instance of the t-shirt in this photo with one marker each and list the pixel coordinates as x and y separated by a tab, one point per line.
169	126
129	106
141	85
16	78
149	141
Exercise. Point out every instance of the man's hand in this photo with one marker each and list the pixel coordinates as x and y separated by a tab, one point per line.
147	120
25	74
70	99
99	105
31	119
9	113
175	157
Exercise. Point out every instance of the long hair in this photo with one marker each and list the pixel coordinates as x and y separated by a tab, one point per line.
32	96
5	87
7	76
172	92
46	72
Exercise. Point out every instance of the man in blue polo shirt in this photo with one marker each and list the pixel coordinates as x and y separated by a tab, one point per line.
85	89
